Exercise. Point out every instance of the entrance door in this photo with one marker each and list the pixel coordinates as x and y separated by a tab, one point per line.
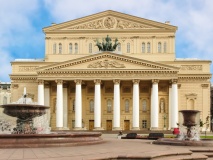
109	125
126	125
91	125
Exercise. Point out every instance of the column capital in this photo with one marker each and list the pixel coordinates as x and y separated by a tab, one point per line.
135	81
116	81
155	81
59	81
174	81
40	81
97	81
78	81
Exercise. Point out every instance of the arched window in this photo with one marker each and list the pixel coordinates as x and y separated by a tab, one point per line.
159	47
70	48
119	47
164	47
90	48
128	48
54	48
76	47
148	47
144	105
109	106
143	47
5	100
126	105
60	48
91	105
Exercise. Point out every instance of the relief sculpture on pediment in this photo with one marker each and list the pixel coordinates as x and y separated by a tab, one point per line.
106	64
110	23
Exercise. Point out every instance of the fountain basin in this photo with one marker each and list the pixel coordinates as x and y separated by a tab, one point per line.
176	142
54	139
24	111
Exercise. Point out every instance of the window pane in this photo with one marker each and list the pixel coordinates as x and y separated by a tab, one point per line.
70	48
109	105
60	48
143	47
76	48
144	105
128	47
159	47
126	105
91	105
148	47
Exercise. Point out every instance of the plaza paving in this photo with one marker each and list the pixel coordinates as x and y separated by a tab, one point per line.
112	148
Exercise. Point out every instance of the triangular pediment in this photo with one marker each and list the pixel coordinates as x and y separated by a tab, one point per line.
107	61
109	20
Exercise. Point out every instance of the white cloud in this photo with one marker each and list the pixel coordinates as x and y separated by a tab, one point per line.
5	66
15	26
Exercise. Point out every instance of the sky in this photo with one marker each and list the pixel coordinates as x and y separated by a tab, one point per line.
21	23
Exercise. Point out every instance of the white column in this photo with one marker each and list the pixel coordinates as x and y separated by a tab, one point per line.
116	112
135	116
78	105
174	104
65	109
59	104
97	105
47	103
170	106
40	92
154	105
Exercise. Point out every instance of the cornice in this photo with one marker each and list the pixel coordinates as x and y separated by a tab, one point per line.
45	72
103	55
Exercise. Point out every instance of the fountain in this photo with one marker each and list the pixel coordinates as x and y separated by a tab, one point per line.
25	134
189	131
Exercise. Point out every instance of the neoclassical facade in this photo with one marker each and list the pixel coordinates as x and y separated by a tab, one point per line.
139	86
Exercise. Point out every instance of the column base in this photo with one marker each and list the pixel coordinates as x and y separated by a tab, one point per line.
66	128
154	129
79	128
135	128
62	128
116	129
98	129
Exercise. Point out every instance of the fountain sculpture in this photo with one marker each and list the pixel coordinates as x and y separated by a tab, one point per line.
25	134
25	112
189	131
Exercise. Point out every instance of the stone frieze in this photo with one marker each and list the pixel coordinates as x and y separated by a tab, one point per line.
192	67
106	64
111	23
27	68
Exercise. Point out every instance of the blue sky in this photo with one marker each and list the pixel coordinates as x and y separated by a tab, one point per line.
21	23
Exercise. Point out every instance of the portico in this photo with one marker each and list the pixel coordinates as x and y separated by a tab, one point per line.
132	100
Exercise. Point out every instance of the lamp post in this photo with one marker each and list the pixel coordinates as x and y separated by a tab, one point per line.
164	121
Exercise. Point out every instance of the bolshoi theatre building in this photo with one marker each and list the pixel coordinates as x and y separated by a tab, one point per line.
139	85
